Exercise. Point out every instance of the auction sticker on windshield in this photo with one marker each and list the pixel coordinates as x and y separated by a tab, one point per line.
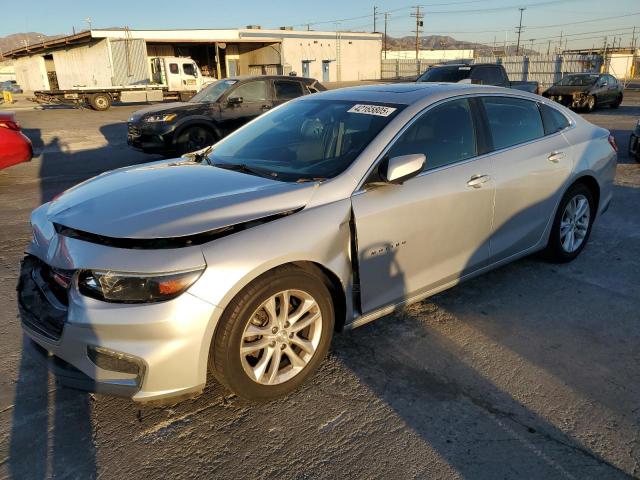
378	110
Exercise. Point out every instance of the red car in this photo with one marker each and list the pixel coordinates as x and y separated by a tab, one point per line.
14	146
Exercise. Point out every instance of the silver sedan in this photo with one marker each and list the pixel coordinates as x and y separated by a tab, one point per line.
241	260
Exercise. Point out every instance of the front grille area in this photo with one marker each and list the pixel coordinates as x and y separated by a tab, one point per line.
133	130
43	297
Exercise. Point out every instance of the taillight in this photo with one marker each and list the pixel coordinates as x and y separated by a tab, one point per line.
11	125
612	142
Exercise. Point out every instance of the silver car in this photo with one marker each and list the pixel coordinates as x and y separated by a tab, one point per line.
240	261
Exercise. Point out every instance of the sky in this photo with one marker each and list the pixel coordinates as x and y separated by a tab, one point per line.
582	23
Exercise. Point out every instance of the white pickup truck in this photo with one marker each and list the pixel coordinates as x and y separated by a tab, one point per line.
170	78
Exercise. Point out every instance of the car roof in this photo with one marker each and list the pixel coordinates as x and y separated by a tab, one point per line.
244	78
408	93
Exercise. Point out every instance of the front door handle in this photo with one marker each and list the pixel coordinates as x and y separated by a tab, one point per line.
477	180
555	157
266	107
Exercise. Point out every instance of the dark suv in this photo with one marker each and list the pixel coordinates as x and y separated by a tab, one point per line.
215	111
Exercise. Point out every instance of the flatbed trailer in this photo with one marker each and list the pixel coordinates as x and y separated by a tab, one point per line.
102	98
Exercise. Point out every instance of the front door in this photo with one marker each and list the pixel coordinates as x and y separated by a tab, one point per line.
244	103
435	227
325	70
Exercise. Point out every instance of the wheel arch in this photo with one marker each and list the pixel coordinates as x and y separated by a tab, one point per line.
196	122
592	184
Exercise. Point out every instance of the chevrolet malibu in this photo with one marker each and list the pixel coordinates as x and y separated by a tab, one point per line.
239	262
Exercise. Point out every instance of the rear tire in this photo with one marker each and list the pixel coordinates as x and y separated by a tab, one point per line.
254	333
100	101
617	102
194	138
572	225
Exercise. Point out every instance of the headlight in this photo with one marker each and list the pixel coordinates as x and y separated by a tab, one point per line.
164	118
135	288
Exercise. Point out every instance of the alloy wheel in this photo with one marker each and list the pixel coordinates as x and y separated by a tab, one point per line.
574	223
281	337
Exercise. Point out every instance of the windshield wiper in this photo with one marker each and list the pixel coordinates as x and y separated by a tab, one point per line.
241	167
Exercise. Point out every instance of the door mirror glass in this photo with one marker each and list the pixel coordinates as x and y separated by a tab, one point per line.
402	168
235	100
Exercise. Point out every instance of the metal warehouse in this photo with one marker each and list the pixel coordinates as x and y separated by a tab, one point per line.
105	58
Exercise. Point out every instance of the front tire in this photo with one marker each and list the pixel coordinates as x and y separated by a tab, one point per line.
617	102
274	334
572	225
192	139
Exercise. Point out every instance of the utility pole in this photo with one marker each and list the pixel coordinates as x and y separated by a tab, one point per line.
549	47
308	27
419	24
89	22
531	46
560	44
522	9
375	16
386	18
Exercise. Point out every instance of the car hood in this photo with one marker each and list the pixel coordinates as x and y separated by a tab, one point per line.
163	108
170	199
566	89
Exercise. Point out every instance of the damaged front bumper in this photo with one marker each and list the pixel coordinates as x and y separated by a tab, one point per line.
576	100
144	351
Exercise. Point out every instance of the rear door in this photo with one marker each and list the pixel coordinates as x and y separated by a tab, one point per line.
435	227
531	168
244	103
285	90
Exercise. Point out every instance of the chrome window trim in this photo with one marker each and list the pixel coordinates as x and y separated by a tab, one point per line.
359	188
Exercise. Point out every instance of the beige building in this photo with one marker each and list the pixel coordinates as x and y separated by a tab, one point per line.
87	59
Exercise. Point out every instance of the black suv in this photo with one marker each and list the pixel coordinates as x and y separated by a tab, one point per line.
215	111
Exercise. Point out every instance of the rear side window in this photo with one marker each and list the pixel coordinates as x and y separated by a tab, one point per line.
512	121
553	120
286	90
486	76
251	91
444	134
173	68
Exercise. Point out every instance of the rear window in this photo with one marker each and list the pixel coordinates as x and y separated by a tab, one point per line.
173	68
553	120
486	75
512	121
446	74
286	90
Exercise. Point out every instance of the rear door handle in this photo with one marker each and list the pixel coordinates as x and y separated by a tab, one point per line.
477	180
555	157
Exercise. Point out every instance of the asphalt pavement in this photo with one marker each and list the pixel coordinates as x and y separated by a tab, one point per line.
530	371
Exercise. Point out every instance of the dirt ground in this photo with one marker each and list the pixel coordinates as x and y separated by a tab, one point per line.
530	371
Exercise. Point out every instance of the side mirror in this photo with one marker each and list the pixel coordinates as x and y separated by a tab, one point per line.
399	169
234	100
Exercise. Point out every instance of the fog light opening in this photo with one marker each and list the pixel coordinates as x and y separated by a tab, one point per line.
115	361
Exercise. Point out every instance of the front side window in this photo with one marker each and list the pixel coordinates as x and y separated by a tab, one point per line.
444	134
189	69
286	90
305	140
173	68
512	121
251	92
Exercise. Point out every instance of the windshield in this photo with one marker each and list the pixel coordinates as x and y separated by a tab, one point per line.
578	80
304	140
212	93
446	74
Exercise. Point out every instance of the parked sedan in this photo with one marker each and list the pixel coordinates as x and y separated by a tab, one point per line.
14	146
586	91
214	112
326	213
